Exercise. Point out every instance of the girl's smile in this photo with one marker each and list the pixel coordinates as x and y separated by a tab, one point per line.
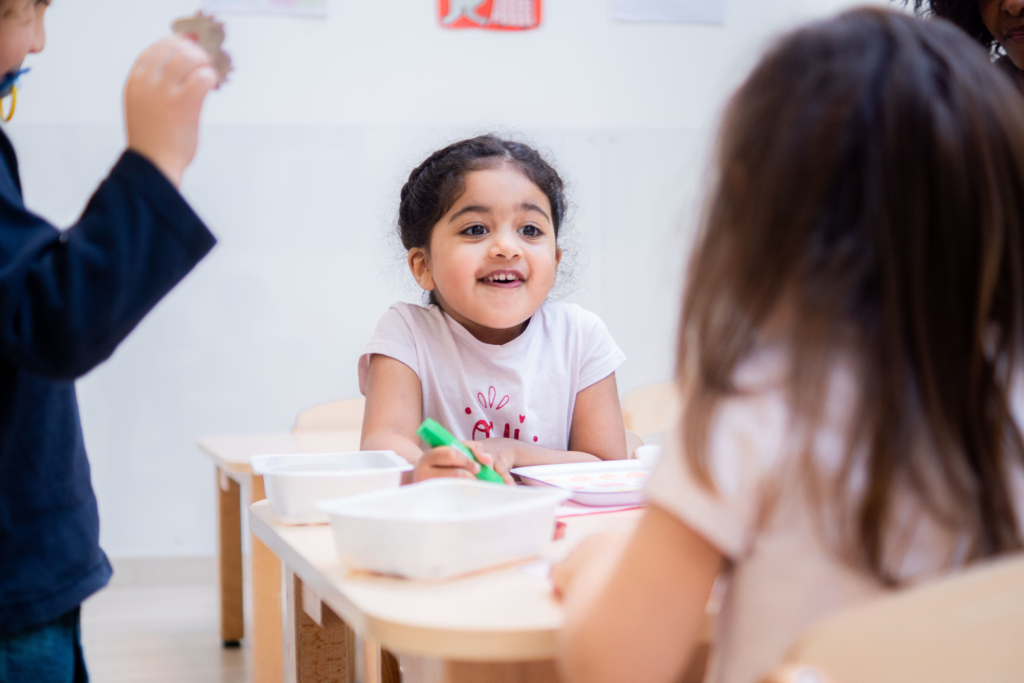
492	258
504	278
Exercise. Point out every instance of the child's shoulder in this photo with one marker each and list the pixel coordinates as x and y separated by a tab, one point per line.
417	319
571	316
407	310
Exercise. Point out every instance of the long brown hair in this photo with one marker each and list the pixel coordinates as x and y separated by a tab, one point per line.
869	194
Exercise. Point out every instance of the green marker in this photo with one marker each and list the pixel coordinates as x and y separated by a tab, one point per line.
434	435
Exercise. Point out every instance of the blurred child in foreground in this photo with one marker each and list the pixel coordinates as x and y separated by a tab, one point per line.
849	357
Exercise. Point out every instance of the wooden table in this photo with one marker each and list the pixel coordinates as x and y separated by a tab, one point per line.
262	573
493	626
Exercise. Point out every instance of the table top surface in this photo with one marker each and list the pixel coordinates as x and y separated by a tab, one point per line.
503	614
232	452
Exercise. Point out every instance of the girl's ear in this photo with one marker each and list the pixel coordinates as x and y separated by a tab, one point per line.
419	264
558	256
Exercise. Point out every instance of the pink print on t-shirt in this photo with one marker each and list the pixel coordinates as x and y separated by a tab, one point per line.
488	402
483	426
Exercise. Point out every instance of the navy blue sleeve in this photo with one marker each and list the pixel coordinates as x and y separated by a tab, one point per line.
68	299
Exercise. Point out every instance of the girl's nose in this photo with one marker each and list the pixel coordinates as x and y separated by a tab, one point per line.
505	244
39	38
1014	7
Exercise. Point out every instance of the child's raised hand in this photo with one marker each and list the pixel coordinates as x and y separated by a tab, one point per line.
163	99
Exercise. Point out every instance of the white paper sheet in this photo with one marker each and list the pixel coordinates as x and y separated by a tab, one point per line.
681	11
302	8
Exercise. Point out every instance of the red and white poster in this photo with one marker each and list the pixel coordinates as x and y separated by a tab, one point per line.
490	15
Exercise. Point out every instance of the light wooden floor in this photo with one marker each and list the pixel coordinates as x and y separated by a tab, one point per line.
158	634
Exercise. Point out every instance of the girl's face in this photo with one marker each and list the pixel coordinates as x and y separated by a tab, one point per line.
492	258
1005	20
22	32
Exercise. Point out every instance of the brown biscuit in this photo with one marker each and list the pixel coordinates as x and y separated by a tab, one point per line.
210	36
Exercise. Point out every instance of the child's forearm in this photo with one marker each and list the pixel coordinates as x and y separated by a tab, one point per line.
538	455
518	454
390	441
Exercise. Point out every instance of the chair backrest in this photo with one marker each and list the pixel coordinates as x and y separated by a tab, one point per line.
633	442
648	410
964	628
336	416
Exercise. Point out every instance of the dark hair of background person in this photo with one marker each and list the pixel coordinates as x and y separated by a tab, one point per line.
435	185
963	13
880	223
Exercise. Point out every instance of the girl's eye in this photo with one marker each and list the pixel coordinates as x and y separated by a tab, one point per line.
530	231
475	231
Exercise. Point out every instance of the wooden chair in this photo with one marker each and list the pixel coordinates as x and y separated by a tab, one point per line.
648	410
336	416
965	628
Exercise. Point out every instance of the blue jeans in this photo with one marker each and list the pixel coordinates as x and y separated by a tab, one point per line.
49	653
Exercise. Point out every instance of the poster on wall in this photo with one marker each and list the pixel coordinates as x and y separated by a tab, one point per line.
662	11
490	15
299	8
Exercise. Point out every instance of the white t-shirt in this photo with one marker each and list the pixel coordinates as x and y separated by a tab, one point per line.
525	389
784	576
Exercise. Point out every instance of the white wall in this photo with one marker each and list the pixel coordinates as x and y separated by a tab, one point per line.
302	156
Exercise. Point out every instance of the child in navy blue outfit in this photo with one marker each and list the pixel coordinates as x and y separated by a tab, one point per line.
67	299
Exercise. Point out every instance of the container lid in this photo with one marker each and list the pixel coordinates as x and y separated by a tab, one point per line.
328	464
443	500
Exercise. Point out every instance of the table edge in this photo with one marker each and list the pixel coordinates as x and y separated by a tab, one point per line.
411	639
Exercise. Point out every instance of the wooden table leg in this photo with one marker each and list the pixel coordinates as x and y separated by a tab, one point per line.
318	646
500	672
232	620
267	664
370	671
427	670
390	671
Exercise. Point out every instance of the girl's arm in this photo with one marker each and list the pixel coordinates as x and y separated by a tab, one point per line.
394	406
635	607
394	410
597	433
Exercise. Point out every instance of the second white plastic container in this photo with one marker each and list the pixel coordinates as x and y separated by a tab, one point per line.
650	455
442	527
296	483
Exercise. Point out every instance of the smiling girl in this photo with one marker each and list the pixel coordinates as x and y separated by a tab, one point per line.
520	380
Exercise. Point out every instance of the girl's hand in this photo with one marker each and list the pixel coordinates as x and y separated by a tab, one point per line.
163	99
499	456
445	461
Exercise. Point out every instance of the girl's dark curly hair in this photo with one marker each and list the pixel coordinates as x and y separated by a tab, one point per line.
436	184
963	13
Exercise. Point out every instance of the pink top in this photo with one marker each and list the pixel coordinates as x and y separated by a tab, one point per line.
785	572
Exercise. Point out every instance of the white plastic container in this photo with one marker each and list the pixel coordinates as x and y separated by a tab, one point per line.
650	455
296	483
599	484
442	527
